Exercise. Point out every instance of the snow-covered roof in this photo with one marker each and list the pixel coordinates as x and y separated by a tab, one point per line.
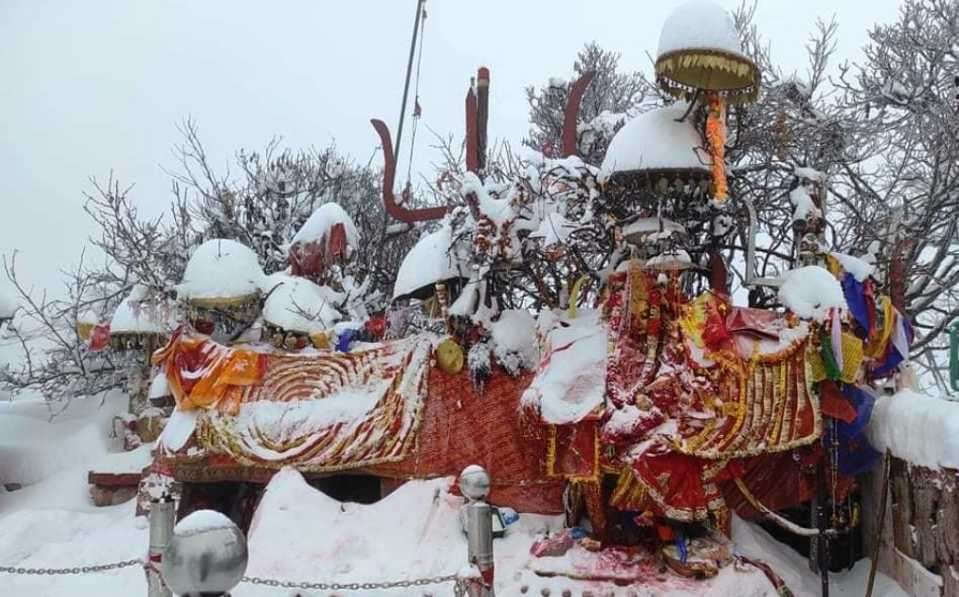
811	291
7	305
136	314
699	25
430	260
317	227
655	140
299	305
220	269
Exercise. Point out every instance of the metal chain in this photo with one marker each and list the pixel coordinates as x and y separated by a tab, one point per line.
357	586
74	570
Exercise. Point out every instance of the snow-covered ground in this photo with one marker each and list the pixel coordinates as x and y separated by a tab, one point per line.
298	532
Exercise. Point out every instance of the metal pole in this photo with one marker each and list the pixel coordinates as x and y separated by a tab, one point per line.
822	540
409	72
479	530
162	519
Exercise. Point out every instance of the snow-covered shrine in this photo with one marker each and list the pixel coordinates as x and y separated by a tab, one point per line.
649	410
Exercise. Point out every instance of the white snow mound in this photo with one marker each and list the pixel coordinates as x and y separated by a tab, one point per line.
917	428
221	268
699	25
810	292
317	227
431	260
655	140
299	305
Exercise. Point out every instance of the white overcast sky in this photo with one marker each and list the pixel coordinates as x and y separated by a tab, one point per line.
92	85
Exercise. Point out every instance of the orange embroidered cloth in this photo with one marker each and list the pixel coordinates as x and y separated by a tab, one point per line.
319	412
200	372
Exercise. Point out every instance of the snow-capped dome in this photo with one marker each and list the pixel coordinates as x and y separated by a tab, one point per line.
137	315
699	50
221	269
699	25
431	260
655	140
7	305
321	222
299	305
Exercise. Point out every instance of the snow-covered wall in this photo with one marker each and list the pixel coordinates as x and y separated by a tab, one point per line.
919	541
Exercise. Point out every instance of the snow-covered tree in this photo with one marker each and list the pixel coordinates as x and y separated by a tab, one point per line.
609	100
262	204
899	186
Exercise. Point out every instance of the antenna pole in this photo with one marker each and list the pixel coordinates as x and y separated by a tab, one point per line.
409	72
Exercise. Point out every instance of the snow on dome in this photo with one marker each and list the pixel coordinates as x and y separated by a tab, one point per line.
699	25
299	305
431	260
138	315
318	226
202	520
220	269
655	140
7	306
811	291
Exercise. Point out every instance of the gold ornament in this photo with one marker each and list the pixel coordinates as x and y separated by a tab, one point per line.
449	356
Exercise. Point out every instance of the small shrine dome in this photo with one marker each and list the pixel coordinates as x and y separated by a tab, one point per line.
657	140
328	236
298	306
221	271
432	259
138	319
699	49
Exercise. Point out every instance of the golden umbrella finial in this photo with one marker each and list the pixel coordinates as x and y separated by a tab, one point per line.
700	53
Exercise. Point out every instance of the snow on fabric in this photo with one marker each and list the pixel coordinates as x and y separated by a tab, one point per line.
570	381
811	291
655	140
857	266
431	260
514	340
322	412
159	388
699	25
178	429
917	428
219	269
299	305
318	226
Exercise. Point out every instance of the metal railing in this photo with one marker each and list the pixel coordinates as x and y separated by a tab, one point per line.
474	483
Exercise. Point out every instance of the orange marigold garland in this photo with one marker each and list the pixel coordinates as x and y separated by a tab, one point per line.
716	136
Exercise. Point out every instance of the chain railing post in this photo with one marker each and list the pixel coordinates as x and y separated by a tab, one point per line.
162	518
475	484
